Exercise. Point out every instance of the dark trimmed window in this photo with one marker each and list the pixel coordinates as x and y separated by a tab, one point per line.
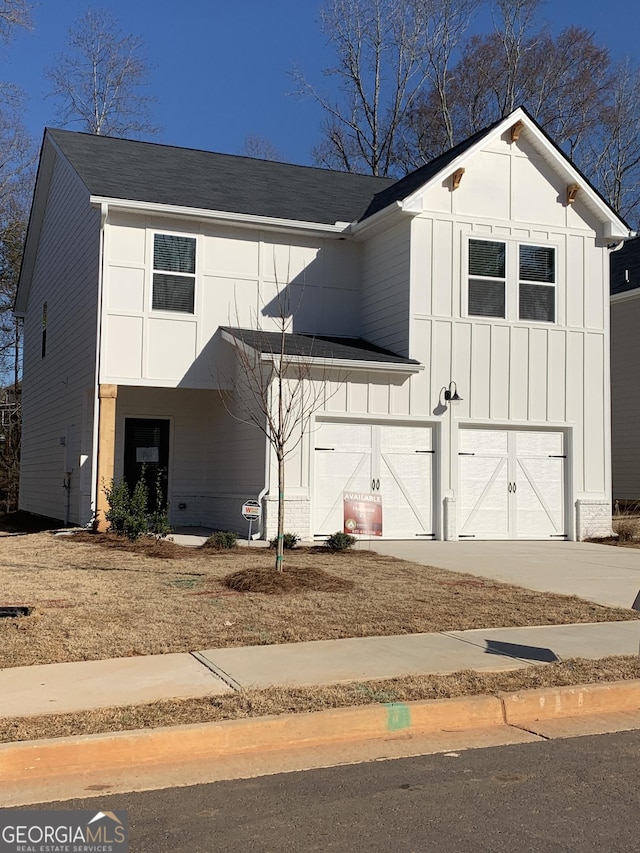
174	268
487	279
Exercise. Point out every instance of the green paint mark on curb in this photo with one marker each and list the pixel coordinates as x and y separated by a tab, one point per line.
398	716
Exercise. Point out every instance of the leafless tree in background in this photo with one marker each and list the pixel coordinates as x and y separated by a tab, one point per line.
99	81
16	180
261	148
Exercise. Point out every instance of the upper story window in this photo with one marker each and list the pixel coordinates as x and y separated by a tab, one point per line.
174	273
537	283
494	268
487	278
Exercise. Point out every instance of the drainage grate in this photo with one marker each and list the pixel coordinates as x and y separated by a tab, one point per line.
13	611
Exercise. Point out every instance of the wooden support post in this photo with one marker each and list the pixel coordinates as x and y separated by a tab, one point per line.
456	178
107	395
572	192
516	130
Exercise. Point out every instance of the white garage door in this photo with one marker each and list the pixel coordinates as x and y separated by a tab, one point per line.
393	461
512	484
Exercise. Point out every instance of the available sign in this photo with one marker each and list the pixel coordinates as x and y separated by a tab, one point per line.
251	510
362	513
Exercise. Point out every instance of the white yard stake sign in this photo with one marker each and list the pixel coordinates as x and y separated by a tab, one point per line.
252	511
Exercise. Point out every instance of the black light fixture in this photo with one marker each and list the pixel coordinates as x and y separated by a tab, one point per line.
451	394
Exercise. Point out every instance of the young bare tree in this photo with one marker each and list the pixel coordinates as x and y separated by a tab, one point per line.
261	148
14	13
278	391
100	82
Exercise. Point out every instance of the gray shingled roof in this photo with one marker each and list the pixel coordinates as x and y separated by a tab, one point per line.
163	174
625	267
317	346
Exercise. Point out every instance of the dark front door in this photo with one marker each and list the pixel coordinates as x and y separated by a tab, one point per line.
146	448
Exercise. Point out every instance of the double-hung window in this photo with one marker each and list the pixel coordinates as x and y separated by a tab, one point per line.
503	275
537	284
174	273
487	278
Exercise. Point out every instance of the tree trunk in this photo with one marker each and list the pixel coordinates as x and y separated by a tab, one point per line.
280	542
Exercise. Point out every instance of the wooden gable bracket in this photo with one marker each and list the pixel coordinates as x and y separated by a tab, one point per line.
516	130
456	178
572	192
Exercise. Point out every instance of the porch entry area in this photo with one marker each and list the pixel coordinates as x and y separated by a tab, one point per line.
395	462
146	448
512	484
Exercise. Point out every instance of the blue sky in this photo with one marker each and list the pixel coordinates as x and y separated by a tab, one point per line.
221	70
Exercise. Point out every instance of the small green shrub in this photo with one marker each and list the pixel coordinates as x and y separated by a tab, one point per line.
221	540
128	514
340	541
289	541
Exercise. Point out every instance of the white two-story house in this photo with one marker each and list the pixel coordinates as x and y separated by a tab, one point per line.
483	276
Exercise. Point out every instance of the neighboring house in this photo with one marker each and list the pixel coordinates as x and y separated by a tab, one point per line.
625	376
146	266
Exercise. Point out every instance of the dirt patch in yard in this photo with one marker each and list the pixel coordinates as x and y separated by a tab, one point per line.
100	602
303	700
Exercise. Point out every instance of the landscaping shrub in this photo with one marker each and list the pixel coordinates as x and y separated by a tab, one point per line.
221	540
340	541
289	541
626	528
128	514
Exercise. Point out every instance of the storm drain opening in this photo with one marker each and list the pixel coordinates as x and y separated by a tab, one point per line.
15	611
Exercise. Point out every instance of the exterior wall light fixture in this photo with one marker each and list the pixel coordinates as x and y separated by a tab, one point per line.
451	395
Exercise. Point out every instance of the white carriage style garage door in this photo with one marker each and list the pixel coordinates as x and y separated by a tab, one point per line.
395	462
512	484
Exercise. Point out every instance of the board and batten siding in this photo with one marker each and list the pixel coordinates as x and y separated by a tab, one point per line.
58	390
239	273
625	396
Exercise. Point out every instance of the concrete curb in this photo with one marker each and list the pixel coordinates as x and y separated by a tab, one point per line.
38	761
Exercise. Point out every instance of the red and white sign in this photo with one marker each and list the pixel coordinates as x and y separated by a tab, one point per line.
251	510
362	514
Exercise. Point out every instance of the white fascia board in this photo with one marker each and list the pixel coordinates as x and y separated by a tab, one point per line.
379	219
612	226
245	220
345	363
625	296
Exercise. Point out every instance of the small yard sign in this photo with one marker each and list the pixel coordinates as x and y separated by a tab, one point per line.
252	511
362	513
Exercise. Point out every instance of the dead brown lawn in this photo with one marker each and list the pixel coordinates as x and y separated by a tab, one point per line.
255	703
94	602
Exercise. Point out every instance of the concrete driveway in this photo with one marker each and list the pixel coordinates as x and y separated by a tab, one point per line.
601	573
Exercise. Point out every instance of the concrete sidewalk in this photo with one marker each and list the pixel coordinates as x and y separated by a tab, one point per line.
87	685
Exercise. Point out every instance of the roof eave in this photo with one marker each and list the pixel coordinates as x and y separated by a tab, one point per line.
344	363
243	220
613	227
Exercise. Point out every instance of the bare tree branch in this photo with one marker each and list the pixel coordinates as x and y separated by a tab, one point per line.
100	81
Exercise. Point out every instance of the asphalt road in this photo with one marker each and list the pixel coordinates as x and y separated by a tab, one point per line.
578	794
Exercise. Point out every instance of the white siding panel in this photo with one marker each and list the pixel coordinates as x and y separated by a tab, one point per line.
421	264
125	289
557	375
594	414
124	361
443	268
575	391
538	192
575	279
519	381
480	370
461	371
538	376
127	242
500	367
594	293
171	348
485	187
237	255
